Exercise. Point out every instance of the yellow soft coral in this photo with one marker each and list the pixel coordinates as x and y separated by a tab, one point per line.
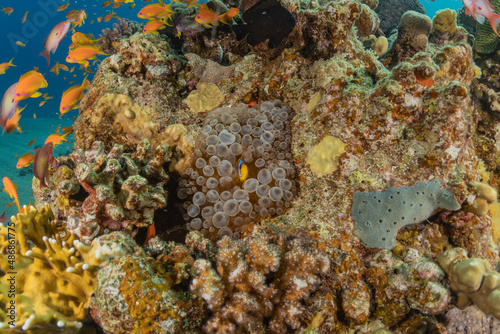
46	281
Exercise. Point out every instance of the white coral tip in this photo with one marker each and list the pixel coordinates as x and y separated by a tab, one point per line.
60	323
70	270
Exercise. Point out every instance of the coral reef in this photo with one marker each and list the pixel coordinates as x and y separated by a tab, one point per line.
145	69
257	279
412	36
122	190
123	29
136	293
391	11
403	284
473	280
444	28
205	98
243	169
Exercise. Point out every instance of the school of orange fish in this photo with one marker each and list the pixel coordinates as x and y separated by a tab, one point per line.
83	49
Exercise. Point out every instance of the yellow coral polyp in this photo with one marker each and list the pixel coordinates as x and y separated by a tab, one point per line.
323	158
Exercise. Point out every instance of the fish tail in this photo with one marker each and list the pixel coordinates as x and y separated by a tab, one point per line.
10	63
495	21
46	54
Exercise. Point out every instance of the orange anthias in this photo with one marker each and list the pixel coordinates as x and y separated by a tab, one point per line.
5	66
29	84
158	10
55	139
209	18
83	53
71	97
7	10
25	160
11	190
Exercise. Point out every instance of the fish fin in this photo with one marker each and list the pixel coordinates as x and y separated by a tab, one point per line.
37	94
495	22
254	39
46	54
480	18
10	63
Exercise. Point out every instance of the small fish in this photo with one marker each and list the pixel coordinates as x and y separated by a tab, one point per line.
71	96
63	7
106	4
7	10
99	19
481	10
108	17
55	69
153	26
80	39
29	84
132	6
188	27
156	10
13	123
67	130
54	38
34	115
150	233
242	171
209	18
8	106
267	19
25	160
24	17
116	5
32	141
71	70
83	54
56	139
41	161
21	44
76	17
5	66
49	98
10	189
42	103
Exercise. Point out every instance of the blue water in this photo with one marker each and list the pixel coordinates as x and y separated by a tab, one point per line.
42	17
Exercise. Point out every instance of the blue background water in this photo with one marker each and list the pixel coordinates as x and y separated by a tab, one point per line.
42	17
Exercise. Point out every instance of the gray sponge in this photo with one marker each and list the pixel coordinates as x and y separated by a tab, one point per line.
379	215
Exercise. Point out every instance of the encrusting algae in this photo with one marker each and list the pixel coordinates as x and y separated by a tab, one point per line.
319	178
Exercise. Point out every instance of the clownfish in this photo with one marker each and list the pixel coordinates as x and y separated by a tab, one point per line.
242	170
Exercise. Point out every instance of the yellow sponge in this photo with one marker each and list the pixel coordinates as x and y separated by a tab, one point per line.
323	158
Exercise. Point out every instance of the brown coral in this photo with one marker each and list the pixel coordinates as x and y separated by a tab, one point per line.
255	280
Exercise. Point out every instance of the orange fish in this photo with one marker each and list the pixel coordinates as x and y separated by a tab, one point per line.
5	66
41	103
71	96
106	4
53	39
10	189
209	18
24	17
29	84
34	116
99	19
82	54
116	5
25	160
55	69
76	17
13	123
7	10
63	7
155	10
80	39
67	130
55	139
132	6
32	141
153	26
108	17
150	233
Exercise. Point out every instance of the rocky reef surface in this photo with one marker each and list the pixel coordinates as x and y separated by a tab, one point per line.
319	123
